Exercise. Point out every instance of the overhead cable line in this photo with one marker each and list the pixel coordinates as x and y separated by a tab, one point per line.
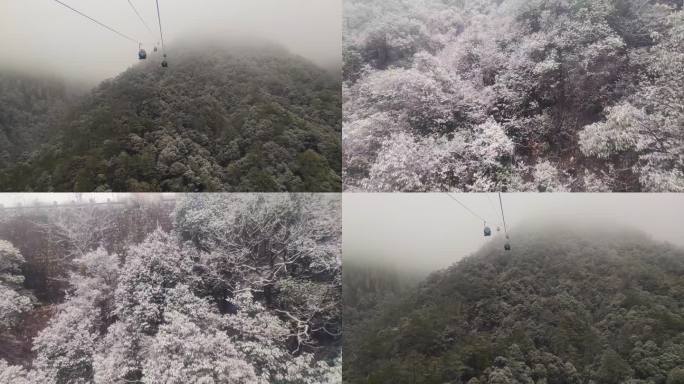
161	34
491	205
464	206
99	23
140	17
503	217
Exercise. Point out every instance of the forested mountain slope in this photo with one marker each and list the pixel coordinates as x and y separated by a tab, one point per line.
368	287
514	94
218	118
565	306
29	107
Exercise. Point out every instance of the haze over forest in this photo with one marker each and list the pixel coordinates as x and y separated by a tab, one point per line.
47	38
425	232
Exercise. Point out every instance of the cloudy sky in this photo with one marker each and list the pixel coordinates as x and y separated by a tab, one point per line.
431	231
44	35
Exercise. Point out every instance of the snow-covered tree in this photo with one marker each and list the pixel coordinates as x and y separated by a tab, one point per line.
117	357
10	264
83	227
260	336
12	305
259	242
182	352
152	267
16	374
13	299
65	348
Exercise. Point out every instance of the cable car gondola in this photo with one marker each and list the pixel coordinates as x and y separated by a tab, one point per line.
142	54
164	63
488	230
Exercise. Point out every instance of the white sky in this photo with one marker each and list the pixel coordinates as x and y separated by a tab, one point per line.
43	35
431	231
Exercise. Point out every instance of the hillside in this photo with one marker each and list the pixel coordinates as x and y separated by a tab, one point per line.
368	287
564	306
220	118
29	106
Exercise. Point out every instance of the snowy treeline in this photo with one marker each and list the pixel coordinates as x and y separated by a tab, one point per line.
231	289
514	94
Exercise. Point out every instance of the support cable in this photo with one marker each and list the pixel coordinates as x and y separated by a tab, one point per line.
493	207
468	209
161	34
99	23
140	17
503	217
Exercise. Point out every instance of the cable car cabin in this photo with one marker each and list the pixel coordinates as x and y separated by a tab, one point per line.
487	231
142	55
155	48
164	64
507	246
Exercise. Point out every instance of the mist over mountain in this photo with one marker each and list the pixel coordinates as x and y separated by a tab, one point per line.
568	304
47	37
222	117
28	106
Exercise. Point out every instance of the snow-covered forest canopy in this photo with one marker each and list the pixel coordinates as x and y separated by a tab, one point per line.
518	95
204	288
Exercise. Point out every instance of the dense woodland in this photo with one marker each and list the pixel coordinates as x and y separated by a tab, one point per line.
29	107
219	118
209	288
518	95
564	306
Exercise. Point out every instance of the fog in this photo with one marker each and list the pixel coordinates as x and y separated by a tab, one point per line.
48	38
424	232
